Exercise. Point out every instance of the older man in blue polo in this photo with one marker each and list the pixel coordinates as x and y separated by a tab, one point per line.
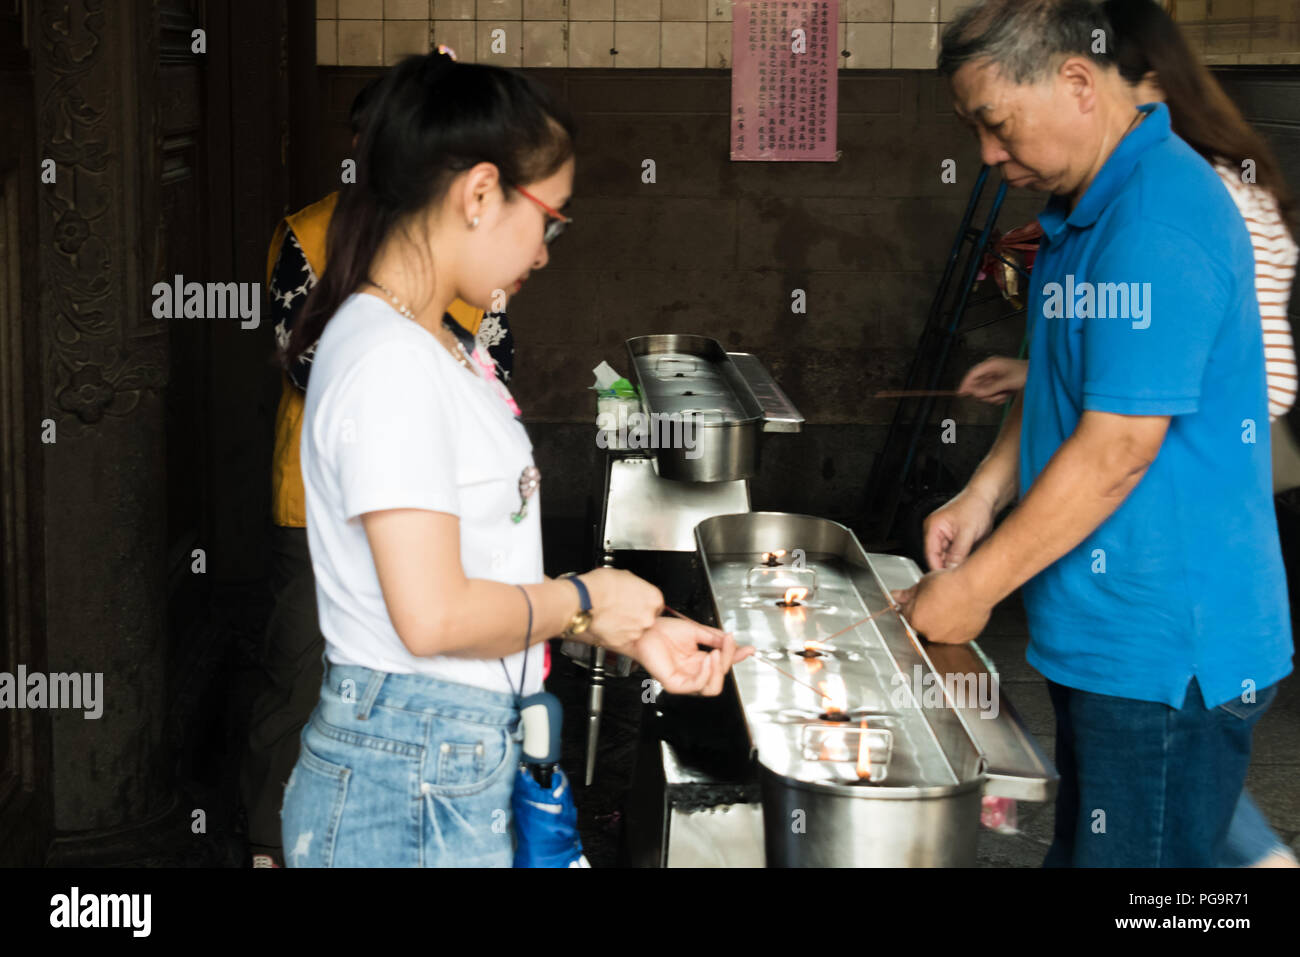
1137	456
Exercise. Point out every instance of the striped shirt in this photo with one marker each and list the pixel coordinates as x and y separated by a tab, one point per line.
1275	262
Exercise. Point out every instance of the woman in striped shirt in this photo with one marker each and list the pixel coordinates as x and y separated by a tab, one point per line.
1155	60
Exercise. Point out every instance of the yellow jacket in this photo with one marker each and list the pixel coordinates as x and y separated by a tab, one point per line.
288	501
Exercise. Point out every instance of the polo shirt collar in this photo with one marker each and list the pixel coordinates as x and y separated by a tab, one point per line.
1113	175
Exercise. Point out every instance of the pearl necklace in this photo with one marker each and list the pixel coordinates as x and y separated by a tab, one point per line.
463	356
483	371
530	477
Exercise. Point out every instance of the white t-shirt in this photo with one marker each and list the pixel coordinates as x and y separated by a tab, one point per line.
393	420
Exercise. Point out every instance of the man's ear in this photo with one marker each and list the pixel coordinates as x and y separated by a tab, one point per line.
1081	78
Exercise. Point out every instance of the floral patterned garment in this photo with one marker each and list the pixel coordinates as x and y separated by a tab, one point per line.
495	339
293	278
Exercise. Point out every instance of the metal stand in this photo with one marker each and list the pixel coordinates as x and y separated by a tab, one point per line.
654	499
595	705
644	512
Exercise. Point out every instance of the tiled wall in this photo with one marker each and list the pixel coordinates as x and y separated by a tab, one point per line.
874	34
715	247
1242	32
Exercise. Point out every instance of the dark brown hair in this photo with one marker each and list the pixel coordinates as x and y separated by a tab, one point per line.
426	120
1147	40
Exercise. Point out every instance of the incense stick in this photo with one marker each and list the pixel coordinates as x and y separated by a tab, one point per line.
909	393
862	622
758	657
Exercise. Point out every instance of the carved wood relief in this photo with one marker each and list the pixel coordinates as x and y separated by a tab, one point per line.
102	346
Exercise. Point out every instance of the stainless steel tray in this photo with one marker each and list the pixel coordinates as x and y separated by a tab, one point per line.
723	402
921	807
931	749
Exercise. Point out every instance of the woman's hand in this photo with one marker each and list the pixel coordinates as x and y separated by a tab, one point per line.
995	380
670	651
623	607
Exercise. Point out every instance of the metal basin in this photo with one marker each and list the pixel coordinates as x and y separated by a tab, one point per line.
695	390
834	803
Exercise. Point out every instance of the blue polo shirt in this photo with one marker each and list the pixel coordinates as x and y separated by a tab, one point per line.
1142	302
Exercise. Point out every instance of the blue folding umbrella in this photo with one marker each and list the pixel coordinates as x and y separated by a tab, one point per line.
546	822
546	819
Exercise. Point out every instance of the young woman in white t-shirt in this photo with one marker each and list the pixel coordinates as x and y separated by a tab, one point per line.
422	495
1159	66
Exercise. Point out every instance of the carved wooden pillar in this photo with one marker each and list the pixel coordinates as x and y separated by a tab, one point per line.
24	733
103	375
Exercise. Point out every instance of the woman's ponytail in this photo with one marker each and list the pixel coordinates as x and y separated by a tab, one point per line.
428	119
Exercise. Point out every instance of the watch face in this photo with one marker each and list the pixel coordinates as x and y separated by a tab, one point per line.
581	622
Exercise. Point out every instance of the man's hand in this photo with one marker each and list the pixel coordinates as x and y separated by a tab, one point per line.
943	608
995	380
952	530
669	650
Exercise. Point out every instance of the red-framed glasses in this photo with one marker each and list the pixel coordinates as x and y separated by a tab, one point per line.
555	221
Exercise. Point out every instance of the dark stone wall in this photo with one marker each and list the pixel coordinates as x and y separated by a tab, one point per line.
717	248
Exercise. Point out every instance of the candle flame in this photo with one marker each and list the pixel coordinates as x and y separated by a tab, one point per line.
864	754
835	694
794	595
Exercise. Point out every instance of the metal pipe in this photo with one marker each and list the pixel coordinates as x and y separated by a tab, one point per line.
595	706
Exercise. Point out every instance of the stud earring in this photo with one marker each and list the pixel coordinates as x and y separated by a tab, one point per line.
473	223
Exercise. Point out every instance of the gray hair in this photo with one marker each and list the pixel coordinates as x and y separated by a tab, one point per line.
1025	38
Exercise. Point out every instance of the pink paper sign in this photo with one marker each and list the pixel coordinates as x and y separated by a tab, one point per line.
784	79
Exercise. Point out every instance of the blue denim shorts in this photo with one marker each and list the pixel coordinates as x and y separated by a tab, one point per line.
399	770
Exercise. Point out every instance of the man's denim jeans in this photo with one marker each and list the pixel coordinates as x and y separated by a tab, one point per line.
1144	784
